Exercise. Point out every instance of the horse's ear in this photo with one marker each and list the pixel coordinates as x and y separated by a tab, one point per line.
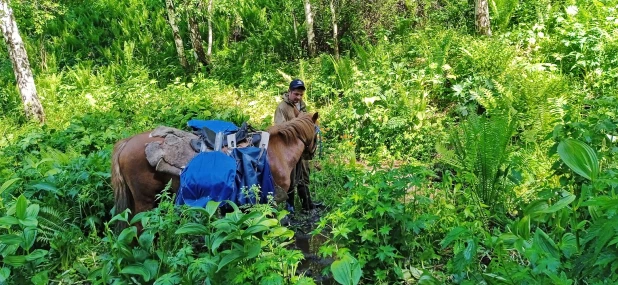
315	117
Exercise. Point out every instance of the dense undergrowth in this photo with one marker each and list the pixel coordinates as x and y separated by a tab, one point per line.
447	157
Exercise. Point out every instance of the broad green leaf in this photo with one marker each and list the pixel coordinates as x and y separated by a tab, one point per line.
32	211
253	249
169	279
29	222
36	254
579	157
192	229
20	207
227	258
15	260
123	217
453	235
217	239
269	222
251	215
281	231
254	229
7	184
29	235
470	250
534	207
508	238
496	277
211	207
145	240
152	266
41	278
137	269
545	244
11	239
523	227
8	221
46	187
5	272
138	217
347	270
127	235
568	245
560	204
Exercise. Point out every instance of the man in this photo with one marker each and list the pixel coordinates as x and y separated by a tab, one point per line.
287	110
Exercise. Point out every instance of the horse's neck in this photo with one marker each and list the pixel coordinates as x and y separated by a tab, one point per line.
283	157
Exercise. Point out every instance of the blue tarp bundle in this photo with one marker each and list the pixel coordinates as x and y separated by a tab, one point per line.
218	177
252	171
208	176
215	125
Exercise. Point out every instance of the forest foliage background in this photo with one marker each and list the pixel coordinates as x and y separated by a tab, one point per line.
448	156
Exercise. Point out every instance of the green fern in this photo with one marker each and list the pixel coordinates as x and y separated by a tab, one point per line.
448	156
480	146
51	222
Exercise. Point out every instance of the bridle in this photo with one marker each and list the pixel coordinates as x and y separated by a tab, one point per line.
311	147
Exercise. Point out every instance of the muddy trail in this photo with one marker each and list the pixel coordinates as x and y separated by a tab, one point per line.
313	265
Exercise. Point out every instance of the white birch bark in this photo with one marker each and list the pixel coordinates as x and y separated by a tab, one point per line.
309	24
335	32
21	65
481	13
209	52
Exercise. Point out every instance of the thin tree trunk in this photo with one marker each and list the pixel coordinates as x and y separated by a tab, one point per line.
21	65
335	33
309	23
196	40
209	53
481	12
171	19
295	26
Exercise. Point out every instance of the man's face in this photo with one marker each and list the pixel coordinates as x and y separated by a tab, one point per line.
296	95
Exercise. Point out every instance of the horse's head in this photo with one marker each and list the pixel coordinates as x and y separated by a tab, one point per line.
303	128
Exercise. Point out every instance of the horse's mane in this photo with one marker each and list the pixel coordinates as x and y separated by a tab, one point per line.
301	126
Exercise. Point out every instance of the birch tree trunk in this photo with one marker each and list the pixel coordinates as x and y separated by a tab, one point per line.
21	65
335	32
209	52
171	19
309	23
481	13
196	40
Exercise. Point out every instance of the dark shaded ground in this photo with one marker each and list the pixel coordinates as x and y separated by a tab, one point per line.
302	224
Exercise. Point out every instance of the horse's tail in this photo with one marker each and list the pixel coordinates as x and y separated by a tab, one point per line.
122	195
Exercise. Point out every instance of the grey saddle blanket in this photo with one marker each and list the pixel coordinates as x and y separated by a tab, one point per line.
173	153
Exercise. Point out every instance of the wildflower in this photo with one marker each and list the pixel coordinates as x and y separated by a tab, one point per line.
572	10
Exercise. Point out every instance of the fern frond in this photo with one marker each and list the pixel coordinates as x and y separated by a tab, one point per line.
448	156
51	222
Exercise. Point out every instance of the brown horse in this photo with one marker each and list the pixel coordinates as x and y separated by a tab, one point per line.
136	183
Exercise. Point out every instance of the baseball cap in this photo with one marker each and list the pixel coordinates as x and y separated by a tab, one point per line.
297	84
